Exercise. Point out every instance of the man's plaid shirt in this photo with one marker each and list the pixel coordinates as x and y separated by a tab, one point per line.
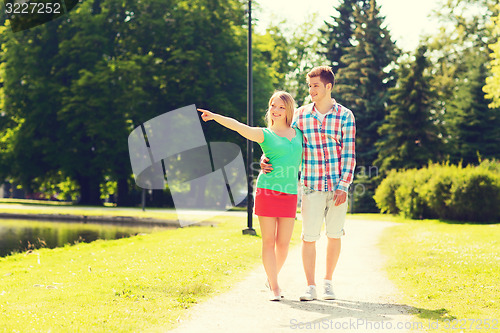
328	156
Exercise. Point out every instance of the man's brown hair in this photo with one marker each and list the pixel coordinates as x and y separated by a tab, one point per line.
325	74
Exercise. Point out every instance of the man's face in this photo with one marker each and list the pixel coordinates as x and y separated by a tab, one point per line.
317	90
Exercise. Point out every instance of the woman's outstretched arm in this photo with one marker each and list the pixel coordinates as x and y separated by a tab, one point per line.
251	133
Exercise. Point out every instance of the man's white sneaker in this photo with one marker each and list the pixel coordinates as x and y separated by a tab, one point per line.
310	294
329	294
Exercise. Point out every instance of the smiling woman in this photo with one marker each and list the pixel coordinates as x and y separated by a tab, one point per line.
276	194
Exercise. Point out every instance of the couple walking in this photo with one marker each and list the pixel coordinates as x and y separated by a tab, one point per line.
319	138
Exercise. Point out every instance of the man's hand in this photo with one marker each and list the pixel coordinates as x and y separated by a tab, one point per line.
339	197
264	166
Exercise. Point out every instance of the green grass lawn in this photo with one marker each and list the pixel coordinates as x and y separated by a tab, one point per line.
449	272
143	283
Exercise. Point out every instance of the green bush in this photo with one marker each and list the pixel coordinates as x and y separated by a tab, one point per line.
469	194
409	199
406	195
437	190
385	194
491	165
475	197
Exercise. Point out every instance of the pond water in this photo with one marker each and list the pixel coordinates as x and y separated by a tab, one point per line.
23	235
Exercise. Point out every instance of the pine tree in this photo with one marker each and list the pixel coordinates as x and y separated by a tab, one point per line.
363	85
409	137
338	35
472	127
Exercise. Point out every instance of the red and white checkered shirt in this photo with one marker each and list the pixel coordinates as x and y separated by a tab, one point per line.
328	155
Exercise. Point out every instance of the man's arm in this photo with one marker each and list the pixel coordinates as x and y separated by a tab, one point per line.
264	165
347	158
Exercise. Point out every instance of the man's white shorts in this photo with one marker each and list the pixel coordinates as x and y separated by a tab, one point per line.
316	207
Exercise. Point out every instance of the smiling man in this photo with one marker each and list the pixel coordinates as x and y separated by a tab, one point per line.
327	171
328	162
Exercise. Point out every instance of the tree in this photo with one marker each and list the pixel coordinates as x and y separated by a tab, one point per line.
409	137
30	95
76	87
305	52
338	35
462	40
492	87
363	85
472	126
270	66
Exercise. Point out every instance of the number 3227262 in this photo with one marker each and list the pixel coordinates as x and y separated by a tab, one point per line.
33	8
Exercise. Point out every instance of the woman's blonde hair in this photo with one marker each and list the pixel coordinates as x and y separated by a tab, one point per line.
289	102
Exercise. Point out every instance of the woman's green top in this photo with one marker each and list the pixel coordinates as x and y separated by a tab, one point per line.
285	156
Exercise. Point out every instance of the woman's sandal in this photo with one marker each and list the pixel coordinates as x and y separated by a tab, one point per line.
276	298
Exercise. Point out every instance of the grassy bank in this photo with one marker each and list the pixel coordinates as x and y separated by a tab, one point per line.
449	272
24	206
143	283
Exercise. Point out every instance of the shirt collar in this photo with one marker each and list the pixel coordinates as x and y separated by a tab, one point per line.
334	108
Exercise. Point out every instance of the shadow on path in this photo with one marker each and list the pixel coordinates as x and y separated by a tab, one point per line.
340	308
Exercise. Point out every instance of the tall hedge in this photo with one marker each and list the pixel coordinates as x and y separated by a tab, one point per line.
470	194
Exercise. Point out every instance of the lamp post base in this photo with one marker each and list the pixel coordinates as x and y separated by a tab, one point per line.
249	231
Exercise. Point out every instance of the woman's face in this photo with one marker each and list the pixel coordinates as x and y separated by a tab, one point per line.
277	110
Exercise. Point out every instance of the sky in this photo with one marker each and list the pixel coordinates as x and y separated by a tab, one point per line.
406	19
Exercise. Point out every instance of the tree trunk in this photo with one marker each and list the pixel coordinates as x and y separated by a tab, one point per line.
90	193
124	197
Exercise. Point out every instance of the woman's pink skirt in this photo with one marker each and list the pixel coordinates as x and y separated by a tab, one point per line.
275	204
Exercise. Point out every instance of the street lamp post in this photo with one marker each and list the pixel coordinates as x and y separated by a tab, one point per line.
250	230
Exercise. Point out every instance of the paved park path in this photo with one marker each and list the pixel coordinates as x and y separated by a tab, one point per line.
366	300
